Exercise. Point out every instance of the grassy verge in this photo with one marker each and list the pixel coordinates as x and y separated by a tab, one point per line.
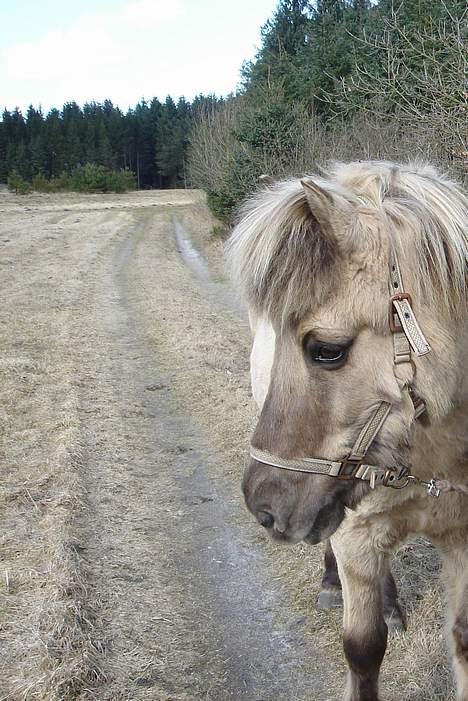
46	632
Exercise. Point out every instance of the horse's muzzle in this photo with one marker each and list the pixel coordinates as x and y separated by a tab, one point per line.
294	507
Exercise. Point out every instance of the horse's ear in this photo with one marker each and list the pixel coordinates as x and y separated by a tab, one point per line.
326	206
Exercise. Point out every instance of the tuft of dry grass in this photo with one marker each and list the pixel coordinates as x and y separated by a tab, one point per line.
47	618
49	651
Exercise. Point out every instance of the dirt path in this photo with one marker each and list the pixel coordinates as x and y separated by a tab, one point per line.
187	579
131	569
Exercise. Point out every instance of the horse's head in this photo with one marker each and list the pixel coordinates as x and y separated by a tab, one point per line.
313	259
325	380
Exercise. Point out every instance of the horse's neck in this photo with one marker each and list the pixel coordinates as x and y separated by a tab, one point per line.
441	449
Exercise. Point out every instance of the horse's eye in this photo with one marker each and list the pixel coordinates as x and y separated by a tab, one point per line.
329	355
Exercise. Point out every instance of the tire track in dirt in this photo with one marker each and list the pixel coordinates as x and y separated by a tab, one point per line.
217	292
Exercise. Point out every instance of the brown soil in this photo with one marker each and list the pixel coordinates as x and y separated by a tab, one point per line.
130	568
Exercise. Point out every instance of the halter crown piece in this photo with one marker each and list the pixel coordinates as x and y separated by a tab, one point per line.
407	338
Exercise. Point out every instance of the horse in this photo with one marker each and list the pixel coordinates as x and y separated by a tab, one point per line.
356	287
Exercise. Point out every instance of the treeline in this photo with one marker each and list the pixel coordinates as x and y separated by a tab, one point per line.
339	79
150	140
332	79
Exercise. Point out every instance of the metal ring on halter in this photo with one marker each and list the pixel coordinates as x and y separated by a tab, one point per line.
395	483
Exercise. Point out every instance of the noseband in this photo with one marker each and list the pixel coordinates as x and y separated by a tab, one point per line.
407	338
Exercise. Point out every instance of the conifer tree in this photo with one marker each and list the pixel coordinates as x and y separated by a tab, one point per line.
3	154
170	144
284	37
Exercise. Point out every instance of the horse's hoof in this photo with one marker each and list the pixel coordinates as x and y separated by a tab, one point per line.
395	623
330	599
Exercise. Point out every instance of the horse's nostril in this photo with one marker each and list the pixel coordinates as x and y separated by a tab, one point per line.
265	519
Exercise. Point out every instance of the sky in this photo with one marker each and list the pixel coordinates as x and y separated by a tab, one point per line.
54	51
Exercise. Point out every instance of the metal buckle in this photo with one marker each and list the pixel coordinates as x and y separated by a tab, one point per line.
398	298
355	464
418	402
394	479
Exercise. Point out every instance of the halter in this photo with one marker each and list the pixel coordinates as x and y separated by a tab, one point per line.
407	338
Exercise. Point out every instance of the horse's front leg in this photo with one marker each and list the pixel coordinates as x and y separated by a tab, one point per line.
456	574
361	569
330	595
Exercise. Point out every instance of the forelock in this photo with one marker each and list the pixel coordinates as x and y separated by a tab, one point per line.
279	256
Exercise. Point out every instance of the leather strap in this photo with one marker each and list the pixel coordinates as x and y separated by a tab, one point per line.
410	326
369	431
375	475
315	466
407	334
349	468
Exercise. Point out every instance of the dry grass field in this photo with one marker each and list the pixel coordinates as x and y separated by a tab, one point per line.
130	569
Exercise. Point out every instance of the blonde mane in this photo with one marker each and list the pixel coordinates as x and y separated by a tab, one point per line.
285	262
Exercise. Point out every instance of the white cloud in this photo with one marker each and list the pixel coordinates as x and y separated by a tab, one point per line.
144	13
144	48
